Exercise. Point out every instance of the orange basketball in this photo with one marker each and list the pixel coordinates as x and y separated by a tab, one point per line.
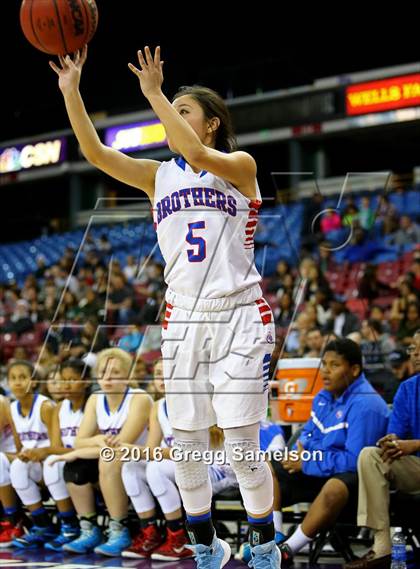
58	26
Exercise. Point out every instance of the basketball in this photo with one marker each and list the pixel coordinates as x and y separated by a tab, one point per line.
58	27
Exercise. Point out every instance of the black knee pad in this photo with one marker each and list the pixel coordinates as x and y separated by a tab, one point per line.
81	471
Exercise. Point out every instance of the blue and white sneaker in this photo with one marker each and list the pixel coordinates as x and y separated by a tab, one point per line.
67	534
118	539
265	556
214	556
36	537
89	538
244	553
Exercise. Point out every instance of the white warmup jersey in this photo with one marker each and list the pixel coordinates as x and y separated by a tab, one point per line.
205	229
69	423
168	437
112	423
32	432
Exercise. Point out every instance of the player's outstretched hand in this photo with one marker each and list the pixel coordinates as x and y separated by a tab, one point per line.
150	73
70	71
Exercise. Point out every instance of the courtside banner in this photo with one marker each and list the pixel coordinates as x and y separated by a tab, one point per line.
387	94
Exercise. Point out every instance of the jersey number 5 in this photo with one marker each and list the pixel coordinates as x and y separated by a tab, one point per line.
197	254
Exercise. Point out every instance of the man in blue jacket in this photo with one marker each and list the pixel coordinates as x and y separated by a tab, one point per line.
346	416
394	462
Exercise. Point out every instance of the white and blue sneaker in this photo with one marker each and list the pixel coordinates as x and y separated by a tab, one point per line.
118	540
67	534
265	556
89	538
214	556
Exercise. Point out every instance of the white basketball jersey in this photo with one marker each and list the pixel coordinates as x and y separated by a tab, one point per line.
168	437
32	432
205	229
112	423
7	442
69	423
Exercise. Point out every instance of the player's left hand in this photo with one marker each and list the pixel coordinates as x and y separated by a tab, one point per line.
150	73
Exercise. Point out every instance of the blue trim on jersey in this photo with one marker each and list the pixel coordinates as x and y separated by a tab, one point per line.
106	404
267	358
165	408
182	164
19	407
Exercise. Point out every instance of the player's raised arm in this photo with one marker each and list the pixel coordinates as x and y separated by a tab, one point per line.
239	168
137	173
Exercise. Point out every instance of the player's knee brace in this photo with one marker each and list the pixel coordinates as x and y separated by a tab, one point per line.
24	477
133	475
4	470
54	479
253	475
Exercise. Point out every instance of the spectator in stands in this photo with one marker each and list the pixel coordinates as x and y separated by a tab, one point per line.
366	215
131	341
409	324
376	348
288	285
370	286
386	215
311	228
93	261
322	301
131	269
101	283
149	313
407	234
342	322
407	295
316	280
284	313
338	428
93	339
69	307
41	267
276	281
325	261
295	341
20	321
350	215
396	464
314	343
377	313
140	374
103	245
330	221
89	305
121	299
400	364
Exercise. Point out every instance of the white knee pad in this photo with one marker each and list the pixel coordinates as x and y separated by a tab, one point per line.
4	470
190	474
253	475
54	479
24	477
161	481
133	475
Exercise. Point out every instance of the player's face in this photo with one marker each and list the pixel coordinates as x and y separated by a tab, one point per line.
72	385
158	377
191	112
54	386
112	376
337	373
20	381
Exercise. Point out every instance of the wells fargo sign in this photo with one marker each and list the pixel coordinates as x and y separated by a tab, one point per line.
383	95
